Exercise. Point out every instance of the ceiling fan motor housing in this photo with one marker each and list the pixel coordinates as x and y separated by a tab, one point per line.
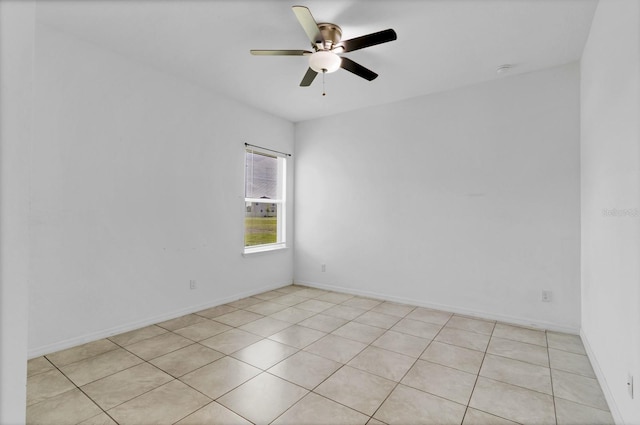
332	35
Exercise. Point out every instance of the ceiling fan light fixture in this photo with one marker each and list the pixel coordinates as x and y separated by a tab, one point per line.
324	61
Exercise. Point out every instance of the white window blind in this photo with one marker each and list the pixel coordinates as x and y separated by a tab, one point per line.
265	200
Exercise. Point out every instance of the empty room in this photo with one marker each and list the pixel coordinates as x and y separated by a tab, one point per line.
329	212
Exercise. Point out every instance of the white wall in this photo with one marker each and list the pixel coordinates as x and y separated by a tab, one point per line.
137	188
610	180
16	115
466	200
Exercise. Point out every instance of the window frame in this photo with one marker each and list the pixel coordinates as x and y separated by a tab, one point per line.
280	202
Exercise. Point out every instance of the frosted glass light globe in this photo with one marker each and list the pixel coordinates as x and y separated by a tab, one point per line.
324	61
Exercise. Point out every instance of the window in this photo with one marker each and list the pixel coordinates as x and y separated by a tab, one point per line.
264	196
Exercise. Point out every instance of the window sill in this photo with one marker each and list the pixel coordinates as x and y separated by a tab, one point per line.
264	248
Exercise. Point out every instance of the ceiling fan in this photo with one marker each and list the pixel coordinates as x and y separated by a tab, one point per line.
327	46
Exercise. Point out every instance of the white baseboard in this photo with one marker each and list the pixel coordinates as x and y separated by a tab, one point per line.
83	339
94	336
608	395
520	321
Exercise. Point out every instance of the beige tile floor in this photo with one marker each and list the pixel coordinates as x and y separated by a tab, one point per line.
299	355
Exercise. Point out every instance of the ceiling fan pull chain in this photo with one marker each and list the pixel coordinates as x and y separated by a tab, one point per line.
324	71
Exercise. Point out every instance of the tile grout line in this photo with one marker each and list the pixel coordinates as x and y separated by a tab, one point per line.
496	380
44	371
262	371
553	395
312	391
163	371
484	355
411	367
320	383
83	392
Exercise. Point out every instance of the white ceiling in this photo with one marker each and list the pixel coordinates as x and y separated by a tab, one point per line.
442	44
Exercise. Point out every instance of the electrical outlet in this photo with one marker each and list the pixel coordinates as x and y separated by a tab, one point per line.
192	284
630	385
323	268
545	296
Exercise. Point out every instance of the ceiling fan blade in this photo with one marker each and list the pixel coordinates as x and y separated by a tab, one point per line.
280	52
308	78
369	40
357	69
309	24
